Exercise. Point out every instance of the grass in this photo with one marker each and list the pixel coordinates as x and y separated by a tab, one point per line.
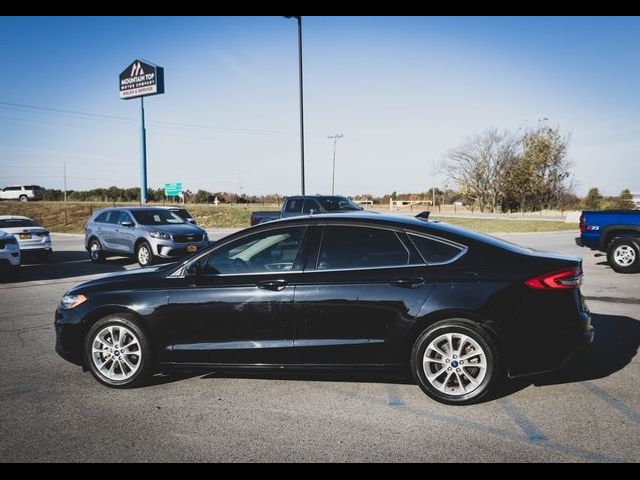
510	226
71	217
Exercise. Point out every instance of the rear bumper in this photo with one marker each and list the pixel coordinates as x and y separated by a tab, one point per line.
550	351
579	242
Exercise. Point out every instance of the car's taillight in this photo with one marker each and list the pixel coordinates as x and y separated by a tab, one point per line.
561	280
583	227
43	234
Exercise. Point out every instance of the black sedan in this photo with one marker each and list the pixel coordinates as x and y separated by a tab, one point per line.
337	292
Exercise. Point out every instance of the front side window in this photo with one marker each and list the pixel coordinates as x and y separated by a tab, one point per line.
124	217
271	251
338	204
434	251
157	217
360	247
310	205
294	206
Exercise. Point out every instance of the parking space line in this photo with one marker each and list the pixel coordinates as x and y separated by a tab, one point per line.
394	398
613	401
498	432
529	429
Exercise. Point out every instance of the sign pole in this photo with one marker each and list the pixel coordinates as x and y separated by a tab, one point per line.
143	165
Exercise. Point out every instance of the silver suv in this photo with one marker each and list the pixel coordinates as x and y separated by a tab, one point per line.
149	233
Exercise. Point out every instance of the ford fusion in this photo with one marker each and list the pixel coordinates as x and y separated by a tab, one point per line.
460	309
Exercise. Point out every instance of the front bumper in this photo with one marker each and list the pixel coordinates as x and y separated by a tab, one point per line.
69	336
168	249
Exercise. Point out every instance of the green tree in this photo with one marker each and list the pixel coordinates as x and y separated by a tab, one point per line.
593	200
625	201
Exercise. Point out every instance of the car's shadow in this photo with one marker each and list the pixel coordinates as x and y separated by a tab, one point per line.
616	343
63	265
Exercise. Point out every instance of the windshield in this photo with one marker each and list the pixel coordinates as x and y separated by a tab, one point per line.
157	217
17	223
333	204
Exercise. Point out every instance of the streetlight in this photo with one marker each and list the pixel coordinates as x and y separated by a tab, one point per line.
335	139
299	18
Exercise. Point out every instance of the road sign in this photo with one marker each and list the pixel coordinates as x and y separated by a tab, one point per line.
141	79
173	189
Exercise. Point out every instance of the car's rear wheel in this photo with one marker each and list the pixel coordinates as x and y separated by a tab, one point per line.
117	352
456	362
623	255
144	254
96	254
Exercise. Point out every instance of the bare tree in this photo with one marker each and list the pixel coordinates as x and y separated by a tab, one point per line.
478	166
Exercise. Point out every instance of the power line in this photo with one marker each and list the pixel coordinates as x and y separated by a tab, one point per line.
99	116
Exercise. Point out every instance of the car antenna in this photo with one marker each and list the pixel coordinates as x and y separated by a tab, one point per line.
423	216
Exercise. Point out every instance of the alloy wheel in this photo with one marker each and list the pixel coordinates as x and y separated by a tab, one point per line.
116	353
455	364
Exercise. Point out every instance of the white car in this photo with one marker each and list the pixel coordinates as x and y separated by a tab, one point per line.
9	253
32	238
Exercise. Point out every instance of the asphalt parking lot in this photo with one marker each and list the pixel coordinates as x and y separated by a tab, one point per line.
51	411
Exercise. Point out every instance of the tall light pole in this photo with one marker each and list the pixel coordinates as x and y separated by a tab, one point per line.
335	139
299	18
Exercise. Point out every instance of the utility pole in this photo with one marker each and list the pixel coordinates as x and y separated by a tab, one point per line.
335	139
299	19
65	182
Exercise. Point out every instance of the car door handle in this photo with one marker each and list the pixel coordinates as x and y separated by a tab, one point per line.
408	282
273	285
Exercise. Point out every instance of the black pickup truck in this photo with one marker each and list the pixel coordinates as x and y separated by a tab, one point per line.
307	205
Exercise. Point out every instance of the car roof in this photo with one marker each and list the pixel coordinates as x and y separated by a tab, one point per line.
134	209
13	217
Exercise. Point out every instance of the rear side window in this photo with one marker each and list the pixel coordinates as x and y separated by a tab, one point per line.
434	251
360	247
294	206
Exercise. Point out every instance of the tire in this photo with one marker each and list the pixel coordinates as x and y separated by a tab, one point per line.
96	253
23	198
445	388
108	362
144	254
623	255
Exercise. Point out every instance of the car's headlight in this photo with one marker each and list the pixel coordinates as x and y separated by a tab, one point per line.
72	301
160	235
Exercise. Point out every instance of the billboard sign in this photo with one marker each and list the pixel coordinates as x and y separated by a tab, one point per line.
172	189
141	79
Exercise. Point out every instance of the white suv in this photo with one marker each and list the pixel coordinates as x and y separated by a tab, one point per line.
23	193
9	254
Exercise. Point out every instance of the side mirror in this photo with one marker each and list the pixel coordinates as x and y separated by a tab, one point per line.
127	224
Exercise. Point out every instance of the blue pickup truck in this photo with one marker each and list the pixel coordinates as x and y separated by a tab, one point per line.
616	232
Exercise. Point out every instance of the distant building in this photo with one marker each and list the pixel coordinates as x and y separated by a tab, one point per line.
636	199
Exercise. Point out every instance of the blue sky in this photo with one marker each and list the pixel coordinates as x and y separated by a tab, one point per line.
403	91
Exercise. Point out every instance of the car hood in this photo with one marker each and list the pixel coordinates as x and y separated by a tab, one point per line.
139	276
181	229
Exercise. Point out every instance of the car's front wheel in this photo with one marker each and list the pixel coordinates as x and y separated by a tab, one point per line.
455	362
623	255
117	352
95	251
23	198
144	254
